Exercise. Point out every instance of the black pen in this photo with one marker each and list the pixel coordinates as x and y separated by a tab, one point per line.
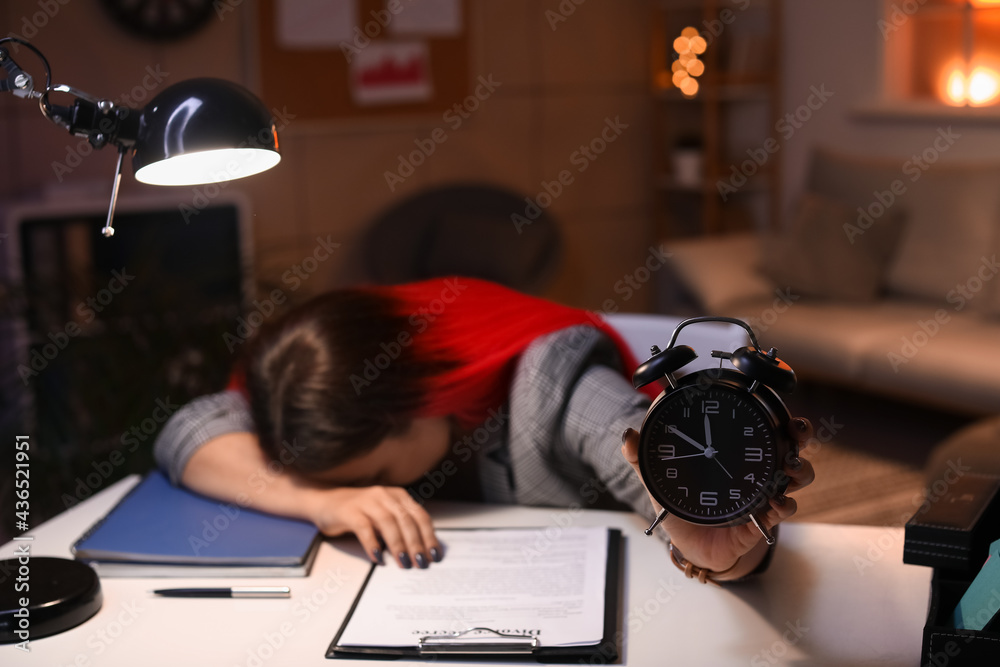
233	592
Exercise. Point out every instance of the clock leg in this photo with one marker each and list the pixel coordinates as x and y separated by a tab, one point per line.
656	522
763	531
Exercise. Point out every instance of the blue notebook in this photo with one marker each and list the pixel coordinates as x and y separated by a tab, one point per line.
158	529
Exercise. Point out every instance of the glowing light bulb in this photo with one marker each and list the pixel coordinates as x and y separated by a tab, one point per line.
698	44
679	77
983	86
690	32
682	45
689	87
955	88
695	67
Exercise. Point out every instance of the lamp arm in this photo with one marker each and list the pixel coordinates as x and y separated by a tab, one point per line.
100	121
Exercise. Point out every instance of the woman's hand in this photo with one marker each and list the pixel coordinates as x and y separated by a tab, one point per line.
719	548
384	518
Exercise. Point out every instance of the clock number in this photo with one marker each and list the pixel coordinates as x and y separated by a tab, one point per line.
734	494
671	473
748	431
750	478
669	451
687	412
753	454
709	498
684	489
710	407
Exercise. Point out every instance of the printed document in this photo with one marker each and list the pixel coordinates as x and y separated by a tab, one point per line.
547	583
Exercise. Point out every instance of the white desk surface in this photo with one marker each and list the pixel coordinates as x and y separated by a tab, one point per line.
835	596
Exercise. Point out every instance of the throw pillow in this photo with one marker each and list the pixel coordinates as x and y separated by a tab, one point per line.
952	209
721	271
828	252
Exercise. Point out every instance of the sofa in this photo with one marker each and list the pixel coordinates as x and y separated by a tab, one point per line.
884	280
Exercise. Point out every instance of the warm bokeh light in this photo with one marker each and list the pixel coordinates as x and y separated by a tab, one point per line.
980	88
687	65
986	3
955	88
983	87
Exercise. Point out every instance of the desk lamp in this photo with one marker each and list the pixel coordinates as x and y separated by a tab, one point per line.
196	131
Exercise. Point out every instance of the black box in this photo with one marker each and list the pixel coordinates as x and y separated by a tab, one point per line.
942	643
952	533
953	529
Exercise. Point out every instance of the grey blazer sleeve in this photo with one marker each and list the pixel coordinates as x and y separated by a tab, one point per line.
569	405
195	424
601	406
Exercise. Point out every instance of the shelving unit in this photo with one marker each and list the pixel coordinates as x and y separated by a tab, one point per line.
732	119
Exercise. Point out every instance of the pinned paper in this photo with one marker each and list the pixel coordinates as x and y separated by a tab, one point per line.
982	600
314	24
391	73
437	18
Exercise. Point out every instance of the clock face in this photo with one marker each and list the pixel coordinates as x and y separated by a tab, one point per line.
710	455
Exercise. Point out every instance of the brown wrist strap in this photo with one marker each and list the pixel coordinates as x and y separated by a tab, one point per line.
692	571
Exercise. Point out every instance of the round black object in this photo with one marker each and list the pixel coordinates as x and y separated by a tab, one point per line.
61	594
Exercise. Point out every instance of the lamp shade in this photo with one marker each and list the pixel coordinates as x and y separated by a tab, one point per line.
204	131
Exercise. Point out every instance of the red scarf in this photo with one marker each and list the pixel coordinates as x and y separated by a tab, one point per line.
484	327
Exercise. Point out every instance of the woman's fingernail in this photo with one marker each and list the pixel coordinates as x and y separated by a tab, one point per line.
795	463
404	560
781	500
435	555
421	561
800	424
627	433
377	556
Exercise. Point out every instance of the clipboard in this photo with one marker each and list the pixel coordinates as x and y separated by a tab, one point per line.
495	645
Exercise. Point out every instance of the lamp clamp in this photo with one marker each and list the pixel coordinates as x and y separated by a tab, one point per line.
17	80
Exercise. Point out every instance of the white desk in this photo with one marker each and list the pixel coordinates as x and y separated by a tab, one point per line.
835	596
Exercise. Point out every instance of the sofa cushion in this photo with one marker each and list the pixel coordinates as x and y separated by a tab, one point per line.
955	366
909	349
824	253
829	340
720	270
953	215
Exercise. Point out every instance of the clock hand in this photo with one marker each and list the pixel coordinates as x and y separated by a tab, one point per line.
722	466
711	451
673	429
686	456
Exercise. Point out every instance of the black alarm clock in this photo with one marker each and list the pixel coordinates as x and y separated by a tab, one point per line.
713	444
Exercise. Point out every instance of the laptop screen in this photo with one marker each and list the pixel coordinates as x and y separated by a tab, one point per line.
111	335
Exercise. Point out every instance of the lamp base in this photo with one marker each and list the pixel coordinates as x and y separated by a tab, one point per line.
61	594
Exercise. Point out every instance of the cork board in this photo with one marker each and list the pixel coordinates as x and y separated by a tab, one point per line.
315	83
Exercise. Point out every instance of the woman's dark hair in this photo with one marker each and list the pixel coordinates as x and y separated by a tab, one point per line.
334	377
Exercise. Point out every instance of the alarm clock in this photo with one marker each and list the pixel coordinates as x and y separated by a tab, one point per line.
713	444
